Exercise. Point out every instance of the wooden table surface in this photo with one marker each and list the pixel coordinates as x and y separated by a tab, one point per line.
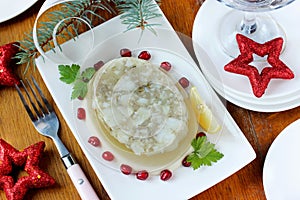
16	128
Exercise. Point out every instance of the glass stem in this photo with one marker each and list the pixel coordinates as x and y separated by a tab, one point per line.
248	25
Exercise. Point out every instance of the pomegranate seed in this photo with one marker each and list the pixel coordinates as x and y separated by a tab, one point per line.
81	113
185	163
98	65
166	66
125	169
107	155
165	175
184	82
125	52
93	140
145	55
142	175
80	98
200	134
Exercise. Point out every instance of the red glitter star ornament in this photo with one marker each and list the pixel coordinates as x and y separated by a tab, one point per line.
29	158
241	64
7	77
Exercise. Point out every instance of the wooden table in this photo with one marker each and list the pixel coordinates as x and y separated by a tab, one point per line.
16	128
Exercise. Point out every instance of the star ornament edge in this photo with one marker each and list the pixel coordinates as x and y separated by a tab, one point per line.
7	53
28	158
259	81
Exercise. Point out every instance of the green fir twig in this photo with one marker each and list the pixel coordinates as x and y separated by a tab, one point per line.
134	14
138	13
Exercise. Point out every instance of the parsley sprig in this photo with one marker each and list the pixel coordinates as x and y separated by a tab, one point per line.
71	74
204	153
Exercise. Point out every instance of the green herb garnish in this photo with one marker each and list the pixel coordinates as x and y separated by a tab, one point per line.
71	74
204	153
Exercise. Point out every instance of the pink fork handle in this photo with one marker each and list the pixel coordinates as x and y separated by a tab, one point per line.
81	183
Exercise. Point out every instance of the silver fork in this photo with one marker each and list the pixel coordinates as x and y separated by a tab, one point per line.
46	123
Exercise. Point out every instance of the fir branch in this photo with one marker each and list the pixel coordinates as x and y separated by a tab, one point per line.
134	14
85	9
137	13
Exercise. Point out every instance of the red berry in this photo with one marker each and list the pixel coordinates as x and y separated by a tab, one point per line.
142	175
145	55
98	65
93	140
184	82
125	169
81	113
200	134
165	175
125	52
107	155
166	65
185	163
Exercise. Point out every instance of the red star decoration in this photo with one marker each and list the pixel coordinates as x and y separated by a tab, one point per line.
29	158
241	64
7	77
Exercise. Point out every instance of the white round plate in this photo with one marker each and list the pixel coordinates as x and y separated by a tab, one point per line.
181	67
280	94
10	9
269	107
122	155
281	176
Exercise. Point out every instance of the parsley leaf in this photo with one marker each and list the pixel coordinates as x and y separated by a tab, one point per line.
68	73
204	153
71	74
88	73
80	89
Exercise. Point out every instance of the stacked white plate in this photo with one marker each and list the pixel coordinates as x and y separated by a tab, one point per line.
11	9
281	94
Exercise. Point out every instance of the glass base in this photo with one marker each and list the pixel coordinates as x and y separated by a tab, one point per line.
265	29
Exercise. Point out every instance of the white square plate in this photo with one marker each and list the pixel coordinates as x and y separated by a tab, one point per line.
186	182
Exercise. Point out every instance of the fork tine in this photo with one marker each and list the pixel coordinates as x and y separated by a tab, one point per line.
43	110
49	107
31	101
27	108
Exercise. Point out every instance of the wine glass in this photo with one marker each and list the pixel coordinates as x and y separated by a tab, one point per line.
251	19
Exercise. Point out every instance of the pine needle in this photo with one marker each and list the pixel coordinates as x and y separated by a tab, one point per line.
134	14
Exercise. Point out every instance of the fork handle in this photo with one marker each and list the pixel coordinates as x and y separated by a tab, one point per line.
81	183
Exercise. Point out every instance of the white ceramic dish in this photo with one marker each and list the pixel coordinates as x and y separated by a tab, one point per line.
123	155
10	9
280	94
281	177
268	106
232	143
214	78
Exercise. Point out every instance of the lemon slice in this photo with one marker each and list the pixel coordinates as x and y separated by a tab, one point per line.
204	115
